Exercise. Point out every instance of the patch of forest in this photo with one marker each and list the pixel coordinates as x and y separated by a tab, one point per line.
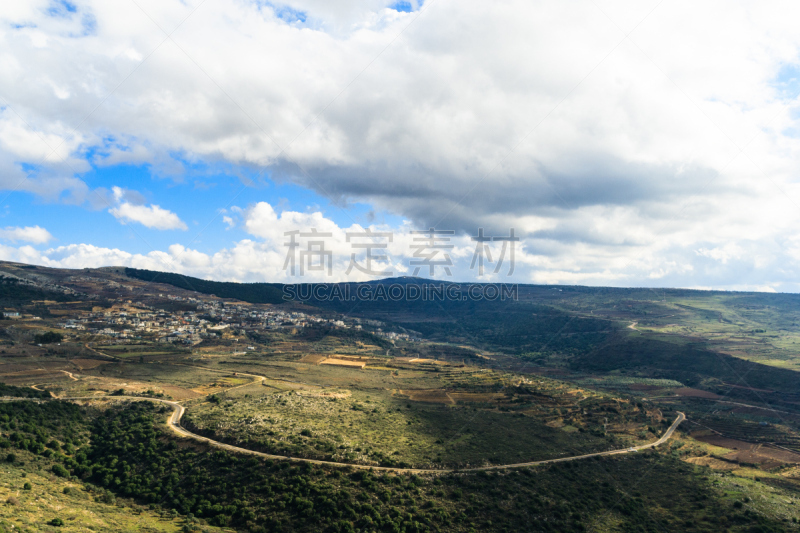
130	455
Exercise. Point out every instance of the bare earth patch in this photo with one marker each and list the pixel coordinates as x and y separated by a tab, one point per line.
88	364
428	395
722	442
765	456
343	362
696	393
179	393
712	462
313	359
475	396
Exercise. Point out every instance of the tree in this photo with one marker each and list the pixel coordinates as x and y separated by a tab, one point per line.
48	338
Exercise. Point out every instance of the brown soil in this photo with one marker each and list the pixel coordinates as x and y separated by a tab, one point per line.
88	364
722	442
754	457
696	393
34	376
767	457
475	396
313	359
179	393
343	362
428	395
712	462
642	387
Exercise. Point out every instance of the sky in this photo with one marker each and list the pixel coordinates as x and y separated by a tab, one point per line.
643	143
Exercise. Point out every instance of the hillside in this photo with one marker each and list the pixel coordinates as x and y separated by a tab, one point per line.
443	387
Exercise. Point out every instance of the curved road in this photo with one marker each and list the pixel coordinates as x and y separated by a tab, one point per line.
174	423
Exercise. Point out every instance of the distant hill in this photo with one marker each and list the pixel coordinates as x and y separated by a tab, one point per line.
257	293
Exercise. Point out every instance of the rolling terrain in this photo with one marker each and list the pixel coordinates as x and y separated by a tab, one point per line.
453	415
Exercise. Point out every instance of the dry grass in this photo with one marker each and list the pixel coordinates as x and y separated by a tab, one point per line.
338	394
88	364
488	397
712	462
31	510
179	393
428	396
344	362
313	359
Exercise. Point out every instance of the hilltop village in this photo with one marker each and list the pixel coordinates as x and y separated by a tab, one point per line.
163	317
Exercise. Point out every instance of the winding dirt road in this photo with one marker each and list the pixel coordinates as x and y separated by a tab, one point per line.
174	423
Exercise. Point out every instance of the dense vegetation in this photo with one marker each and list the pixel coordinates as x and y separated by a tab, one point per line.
515	328
347	336
32	426
130	456
512	327
692	365
48	337
21	392
261	293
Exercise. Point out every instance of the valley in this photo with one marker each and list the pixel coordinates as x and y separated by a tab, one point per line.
436	418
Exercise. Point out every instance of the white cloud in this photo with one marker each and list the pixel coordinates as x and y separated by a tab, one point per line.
620	159
33	234
723	254
151	216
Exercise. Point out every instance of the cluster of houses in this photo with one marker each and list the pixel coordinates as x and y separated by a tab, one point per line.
128	320
213	317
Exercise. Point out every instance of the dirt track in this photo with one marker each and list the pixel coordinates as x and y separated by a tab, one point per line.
174	423
178	410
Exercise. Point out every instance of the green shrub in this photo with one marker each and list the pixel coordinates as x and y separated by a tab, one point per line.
48	337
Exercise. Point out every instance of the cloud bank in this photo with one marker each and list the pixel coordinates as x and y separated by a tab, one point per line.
32	234
264	256
628	142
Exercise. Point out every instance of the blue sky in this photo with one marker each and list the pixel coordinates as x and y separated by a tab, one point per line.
198	197
626	143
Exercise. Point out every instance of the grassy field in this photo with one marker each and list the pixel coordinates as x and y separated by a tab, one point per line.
757	327
451	416
45	498
130	454
148	352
